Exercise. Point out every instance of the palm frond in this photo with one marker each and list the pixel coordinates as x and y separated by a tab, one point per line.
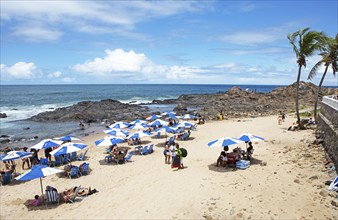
314	70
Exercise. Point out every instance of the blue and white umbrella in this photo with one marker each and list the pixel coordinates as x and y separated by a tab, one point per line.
46	143
139	126
117	132
167	113
185	124
120	124
68	138
68	148
226	141
172	116
153	117
13	155
158	122
249	138
188	116
107	141
164	129
139	134
38	171
137	121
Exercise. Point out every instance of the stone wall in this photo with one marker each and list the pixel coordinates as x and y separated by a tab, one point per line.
327	128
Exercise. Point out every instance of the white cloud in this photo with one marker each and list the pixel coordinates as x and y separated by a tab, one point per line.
120	63
36	32
20	70
56	74
68	79
250	38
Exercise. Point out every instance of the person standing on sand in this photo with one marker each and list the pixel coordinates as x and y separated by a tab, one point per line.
280	118
179	153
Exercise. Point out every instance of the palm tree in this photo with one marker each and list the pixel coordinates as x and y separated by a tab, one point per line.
308	43
329	57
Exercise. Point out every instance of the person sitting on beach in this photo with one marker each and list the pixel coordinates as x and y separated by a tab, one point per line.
25	160
68	168
222	159
310	122
34	202
249	151
70	193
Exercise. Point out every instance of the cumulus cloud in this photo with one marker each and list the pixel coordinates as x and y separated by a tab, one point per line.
21	70
117	63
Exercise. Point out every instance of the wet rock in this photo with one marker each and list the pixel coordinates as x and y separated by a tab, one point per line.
3	115
4	140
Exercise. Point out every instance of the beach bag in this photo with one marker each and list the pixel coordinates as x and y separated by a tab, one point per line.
176	162
184	152
242	164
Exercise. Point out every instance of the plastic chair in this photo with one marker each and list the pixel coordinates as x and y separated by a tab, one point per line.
52	196
127	158
82	156
57	161
44	161
6	178
144	150
108	158
84	170
151	149
73	156
65	159
74	172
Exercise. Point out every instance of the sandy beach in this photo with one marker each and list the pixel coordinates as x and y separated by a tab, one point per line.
287	187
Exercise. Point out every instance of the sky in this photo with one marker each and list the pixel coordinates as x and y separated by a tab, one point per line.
159	42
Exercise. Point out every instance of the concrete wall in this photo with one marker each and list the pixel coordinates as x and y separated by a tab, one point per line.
327	128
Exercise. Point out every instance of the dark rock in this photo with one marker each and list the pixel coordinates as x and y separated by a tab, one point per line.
26	128
4	140
4	136
3	115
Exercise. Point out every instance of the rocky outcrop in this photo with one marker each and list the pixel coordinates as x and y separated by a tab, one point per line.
3	115
93	111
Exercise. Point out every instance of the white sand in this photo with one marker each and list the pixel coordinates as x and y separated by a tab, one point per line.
146	188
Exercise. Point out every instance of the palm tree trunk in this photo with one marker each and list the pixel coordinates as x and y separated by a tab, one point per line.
318	92
297	94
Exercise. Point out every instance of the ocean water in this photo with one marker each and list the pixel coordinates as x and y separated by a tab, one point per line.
20	102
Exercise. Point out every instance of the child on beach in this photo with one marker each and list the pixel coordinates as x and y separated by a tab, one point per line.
280	118
166	153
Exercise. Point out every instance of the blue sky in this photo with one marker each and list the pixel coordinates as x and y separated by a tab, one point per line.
194	42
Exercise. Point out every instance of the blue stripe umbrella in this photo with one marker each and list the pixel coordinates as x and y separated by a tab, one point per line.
13	155
107	141
138	121
168	113
187	116
249	138
158	122
38	171
117	132
152	117
68	138
139	126
226	141
120	124
139	134
46	143
68	148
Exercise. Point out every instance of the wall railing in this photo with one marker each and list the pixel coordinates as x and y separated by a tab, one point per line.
332	101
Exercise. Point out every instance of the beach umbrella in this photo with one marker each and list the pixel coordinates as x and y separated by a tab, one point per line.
185	124
139	134
172	116
138	121
164	129
13	155
153	117
249	137
107	141
139	126
117	132
188	116
67	138
167	113
120	124
46	143
67	148
225	141
38	171
158	122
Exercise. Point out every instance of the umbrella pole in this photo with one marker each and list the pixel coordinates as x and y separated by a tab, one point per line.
41	186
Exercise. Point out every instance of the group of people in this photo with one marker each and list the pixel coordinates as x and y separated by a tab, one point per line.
117	153
229	159
173	155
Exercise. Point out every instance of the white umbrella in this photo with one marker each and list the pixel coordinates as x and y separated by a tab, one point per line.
67	138
188	116
68	148
120	124
246	137
12	155
38	171
46	143
226	141
153	117
116	132
108	140
139	134
139	126
138	121
159	122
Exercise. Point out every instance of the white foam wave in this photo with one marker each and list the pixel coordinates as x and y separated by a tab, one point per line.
24	112
146	100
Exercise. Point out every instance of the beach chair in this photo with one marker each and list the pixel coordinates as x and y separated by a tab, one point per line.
108	158
150	149
44	161
73	156
74	172
139	149
57	161
65	159
183	137
84	169
6	178
52	196
144	150
127	158
82	156
158	135
172	140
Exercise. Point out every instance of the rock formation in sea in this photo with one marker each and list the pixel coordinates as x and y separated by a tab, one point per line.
233	103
